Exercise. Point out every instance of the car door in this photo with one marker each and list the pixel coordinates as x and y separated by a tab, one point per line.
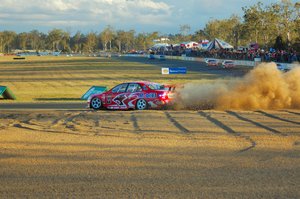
115	99
133	92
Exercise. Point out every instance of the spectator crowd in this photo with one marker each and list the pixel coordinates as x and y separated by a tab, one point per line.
283	56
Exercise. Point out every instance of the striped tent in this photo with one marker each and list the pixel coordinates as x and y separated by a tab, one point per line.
218	44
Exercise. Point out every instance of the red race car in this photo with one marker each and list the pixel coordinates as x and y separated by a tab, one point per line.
212	62
133	95
228	64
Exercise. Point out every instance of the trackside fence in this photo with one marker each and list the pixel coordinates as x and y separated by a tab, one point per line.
198	59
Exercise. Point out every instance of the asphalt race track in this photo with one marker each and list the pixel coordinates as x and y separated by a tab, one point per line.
46	105
193	66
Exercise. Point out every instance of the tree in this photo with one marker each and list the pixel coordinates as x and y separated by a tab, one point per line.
288	13
106	37
76	42
65	41
8	38
34	39
252	21
268	22
226	29
22	40
141	41
200	35
129	39
120	39
1	42
54	38
59	40
90	43
297	27
42	42
279	44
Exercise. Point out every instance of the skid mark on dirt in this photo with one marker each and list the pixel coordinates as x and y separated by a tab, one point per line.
134	120
71	123
193	123
152	122
45	130
6	120
96	121
8	116
156	124
23	127
30	122
292	112
56	121
176	123
104	121
229	130
277	117
269	129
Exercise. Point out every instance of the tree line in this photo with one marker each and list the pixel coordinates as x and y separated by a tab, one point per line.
275	25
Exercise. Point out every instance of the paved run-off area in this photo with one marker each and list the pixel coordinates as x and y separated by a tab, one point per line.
149	154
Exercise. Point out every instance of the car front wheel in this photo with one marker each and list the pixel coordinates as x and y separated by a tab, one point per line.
96	103
141	104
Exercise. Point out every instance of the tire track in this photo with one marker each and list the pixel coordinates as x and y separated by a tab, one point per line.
134	120
71	119
45	130
9	117
55	122
229	130
274	131
292	112
276	117
177	124
28	121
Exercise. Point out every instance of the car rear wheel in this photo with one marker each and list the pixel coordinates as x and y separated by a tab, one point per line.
141	104
96	103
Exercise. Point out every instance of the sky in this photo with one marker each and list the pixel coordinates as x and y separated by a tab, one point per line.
164	16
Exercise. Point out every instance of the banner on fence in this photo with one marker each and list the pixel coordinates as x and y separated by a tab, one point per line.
173	70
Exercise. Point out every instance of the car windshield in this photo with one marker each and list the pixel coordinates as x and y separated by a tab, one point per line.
154	86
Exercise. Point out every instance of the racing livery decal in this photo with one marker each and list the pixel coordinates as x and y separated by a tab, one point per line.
119	99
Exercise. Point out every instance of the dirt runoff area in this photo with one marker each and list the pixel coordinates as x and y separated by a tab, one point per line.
149	154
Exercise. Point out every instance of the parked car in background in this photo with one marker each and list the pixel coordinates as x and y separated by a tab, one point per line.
139	95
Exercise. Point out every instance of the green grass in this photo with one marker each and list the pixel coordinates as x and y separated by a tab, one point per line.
38	79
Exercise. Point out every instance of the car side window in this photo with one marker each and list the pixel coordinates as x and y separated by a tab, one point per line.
134	88
119	89
131	88
138	88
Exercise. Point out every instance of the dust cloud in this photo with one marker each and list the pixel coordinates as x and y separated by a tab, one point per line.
264	87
